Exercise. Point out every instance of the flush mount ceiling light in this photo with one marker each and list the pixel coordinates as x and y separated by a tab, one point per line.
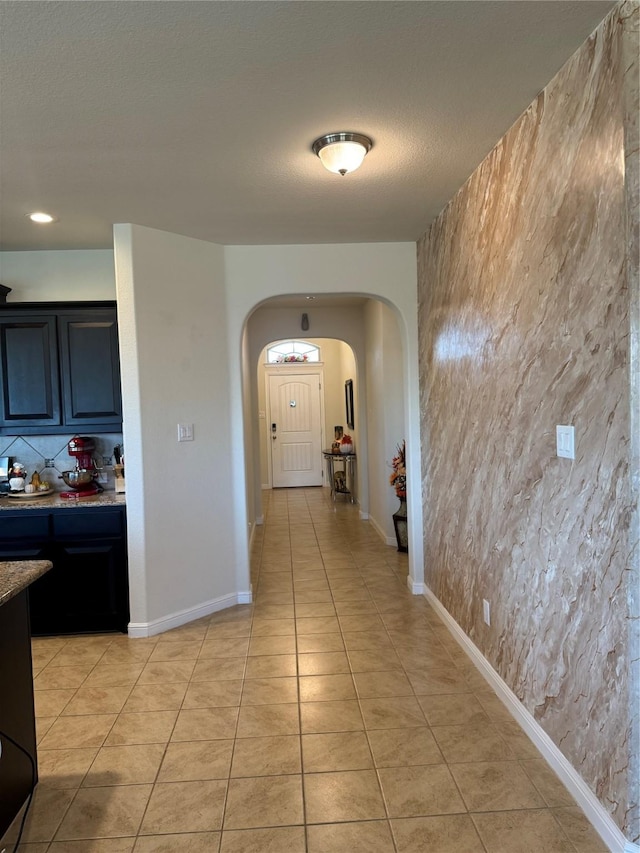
40	217
342	152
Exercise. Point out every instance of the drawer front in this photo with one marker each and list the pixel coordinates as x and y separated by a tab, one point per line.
17	524
77	523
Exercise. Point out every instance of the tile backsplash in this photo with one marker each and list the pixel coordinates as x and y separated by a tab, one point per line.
35	451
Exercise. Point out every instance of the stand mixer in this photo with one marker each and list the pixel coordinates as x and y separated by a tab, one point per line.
82	479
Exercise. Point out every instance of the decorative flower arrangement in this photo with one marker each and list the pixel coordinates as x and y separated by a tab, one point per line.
399	477
292	358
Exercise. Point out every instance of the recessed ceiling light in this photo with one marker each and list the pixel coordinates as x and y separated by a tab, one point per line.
310	297
40	217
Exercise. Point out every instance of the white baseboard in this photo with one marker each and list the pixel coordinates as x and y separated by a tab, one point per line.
593	809
265	486
260	520
175	620
388	540
414	587
364	516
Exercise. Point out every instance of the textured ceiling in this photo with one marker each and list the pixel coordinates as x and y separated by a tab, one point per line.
198	117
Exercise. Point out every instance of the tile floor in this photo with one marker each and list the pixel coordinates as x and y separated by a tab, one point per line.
336	714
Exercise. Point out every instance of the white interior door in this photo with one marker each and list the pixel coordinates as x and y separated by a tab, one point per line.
295	429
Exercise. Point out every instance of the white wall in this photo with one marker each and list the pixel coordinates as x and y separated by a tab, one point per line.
180	504
66	276
386	271
385	411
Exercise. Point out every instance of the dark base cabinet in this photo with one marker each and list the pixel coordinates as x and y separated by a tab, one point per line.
16	716
87	588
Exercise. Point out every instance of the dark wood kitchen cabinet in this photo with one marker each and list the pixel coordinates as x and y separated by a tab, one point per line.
87	588
59	368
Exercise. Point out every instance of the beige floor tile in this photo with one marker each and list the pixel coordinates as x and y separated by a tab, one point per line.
97	700
219	669
474	742
357	605
447	709
553	791
271	666
269	691
495	709
323	663
274	611
440	833
273	627
155	697
318	610
142	727
368	622
517	740
264	801
50	703
420	790
326	688
266	756
43	724
185	807
392	713
64	768
437	680
272	646
205	724
47	810
72	732
227	630
98	845
276	840
313	596
268	720
176	651
352	795
336	751
195	842
167	672
311	643
317	625
372	836
579	830
340	716
231	647
193	760
61	677
125	765
212	694
114	675
105	812
363	641
403	747
374	660
521	832
77	656
126	655
380	684
496	785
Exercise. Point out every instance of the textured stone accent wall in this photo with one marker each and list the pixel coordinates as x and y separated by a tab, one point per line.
525	322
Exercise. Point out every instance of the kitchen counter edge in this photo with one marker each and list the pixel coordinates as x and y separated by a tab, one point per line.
56	502
17	575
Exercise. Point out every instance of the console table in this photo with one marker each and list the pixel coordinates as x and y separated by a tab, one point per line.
342	479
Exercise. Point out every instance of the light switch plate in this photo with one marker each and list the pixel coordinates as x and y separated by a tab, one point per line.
565	441
185	432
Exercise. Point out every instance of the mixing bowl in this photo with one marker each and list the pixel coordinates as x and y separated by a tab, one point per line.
78	479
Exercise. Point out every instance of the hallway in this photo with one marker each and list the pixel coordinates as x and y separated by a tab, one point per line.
336	714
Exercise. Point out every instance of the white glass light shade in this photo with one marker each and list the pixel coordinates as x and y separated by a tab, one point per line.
342	157
342	152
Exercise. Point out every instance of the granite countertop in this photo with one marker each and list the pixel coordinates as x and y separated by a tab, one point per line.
106	498
17	575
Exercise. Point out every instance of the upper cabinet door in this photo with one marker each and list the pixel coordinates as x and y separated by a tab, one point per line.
90	368
29	371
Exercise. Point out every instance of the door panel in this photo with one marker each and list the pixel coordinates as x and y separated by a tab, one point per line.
296	443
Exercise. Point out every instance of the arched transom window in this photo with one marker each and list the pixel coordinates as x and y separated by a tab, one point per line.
292	352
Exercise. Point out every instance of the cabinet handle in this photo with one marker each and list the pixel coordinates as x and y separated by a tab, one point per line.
90	549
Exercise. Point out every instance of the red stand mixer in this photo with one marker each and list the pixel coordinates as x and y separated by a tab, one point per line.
83	479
